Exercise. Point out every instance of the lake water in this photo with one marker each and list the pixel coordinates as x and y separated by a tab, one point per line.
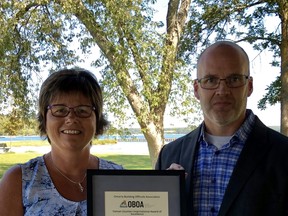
133	137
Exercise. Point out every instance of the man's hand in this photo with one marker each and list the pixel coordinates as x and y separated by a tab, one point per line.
175	166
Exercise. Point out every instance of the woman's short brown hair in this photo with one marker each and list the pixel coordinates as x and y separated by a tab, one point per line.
67	81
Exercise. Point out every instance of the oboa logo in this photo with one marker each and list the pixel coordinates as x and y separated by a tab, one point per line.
132	204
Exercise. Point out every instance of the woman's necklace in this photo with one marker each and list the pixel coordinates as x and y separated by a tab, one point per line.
77	183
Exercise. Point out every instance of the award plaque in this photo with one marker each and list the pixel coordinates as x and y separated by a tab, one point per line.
135	192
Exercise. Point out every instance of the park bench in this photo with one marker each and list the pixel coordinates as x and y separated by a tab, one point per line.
4	147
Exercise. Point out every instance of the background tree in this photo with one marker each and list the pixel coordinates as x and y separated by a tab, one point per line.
13	123
139	64
3	119
143	61
242	20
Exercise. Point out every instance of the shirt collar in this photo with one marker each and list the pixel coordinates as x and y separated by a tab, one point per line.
242	133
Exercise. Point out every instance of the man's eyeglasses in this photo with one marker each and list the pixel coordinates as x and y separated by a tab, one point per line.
82	111
233	81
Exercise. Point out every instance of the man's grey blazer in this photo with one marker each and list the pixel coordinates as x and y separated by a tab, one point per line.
259	182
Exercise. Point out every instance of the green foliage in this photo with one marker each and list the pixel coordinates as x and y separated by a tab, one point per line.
44	34
139	66
32	35
239	20
137	63
143	67
273	94
15	124
215	20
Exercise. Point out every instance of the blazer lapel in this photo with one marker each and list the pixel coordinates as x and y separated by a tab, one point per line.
187	160
188	149
253	151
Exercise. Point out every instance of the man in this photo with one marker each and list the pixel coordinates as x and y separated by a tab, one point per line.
235	164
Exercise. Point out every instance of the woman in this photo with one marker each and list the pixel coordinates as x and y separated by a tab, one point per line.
70	116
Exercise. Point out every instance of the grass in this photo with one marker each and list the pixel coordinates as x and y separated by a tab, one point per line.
128	161
27	143
45	143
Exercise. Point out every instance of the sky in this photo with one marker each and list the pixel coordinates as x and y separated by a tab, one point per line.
263	74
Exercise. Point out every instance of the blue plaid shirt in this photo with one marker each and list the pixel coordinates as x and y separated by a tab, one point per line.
213	169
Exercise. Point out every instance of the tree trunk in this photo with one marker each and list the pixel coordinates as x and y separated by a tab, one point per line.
149	111
284	67
155	140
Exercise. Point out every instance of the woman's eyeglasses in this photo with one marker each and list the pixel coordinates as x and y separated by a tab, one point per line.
82	111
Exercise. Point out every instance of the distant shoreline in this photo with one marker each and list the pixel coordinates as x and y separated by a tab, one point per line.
124	148
136	136
126	138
